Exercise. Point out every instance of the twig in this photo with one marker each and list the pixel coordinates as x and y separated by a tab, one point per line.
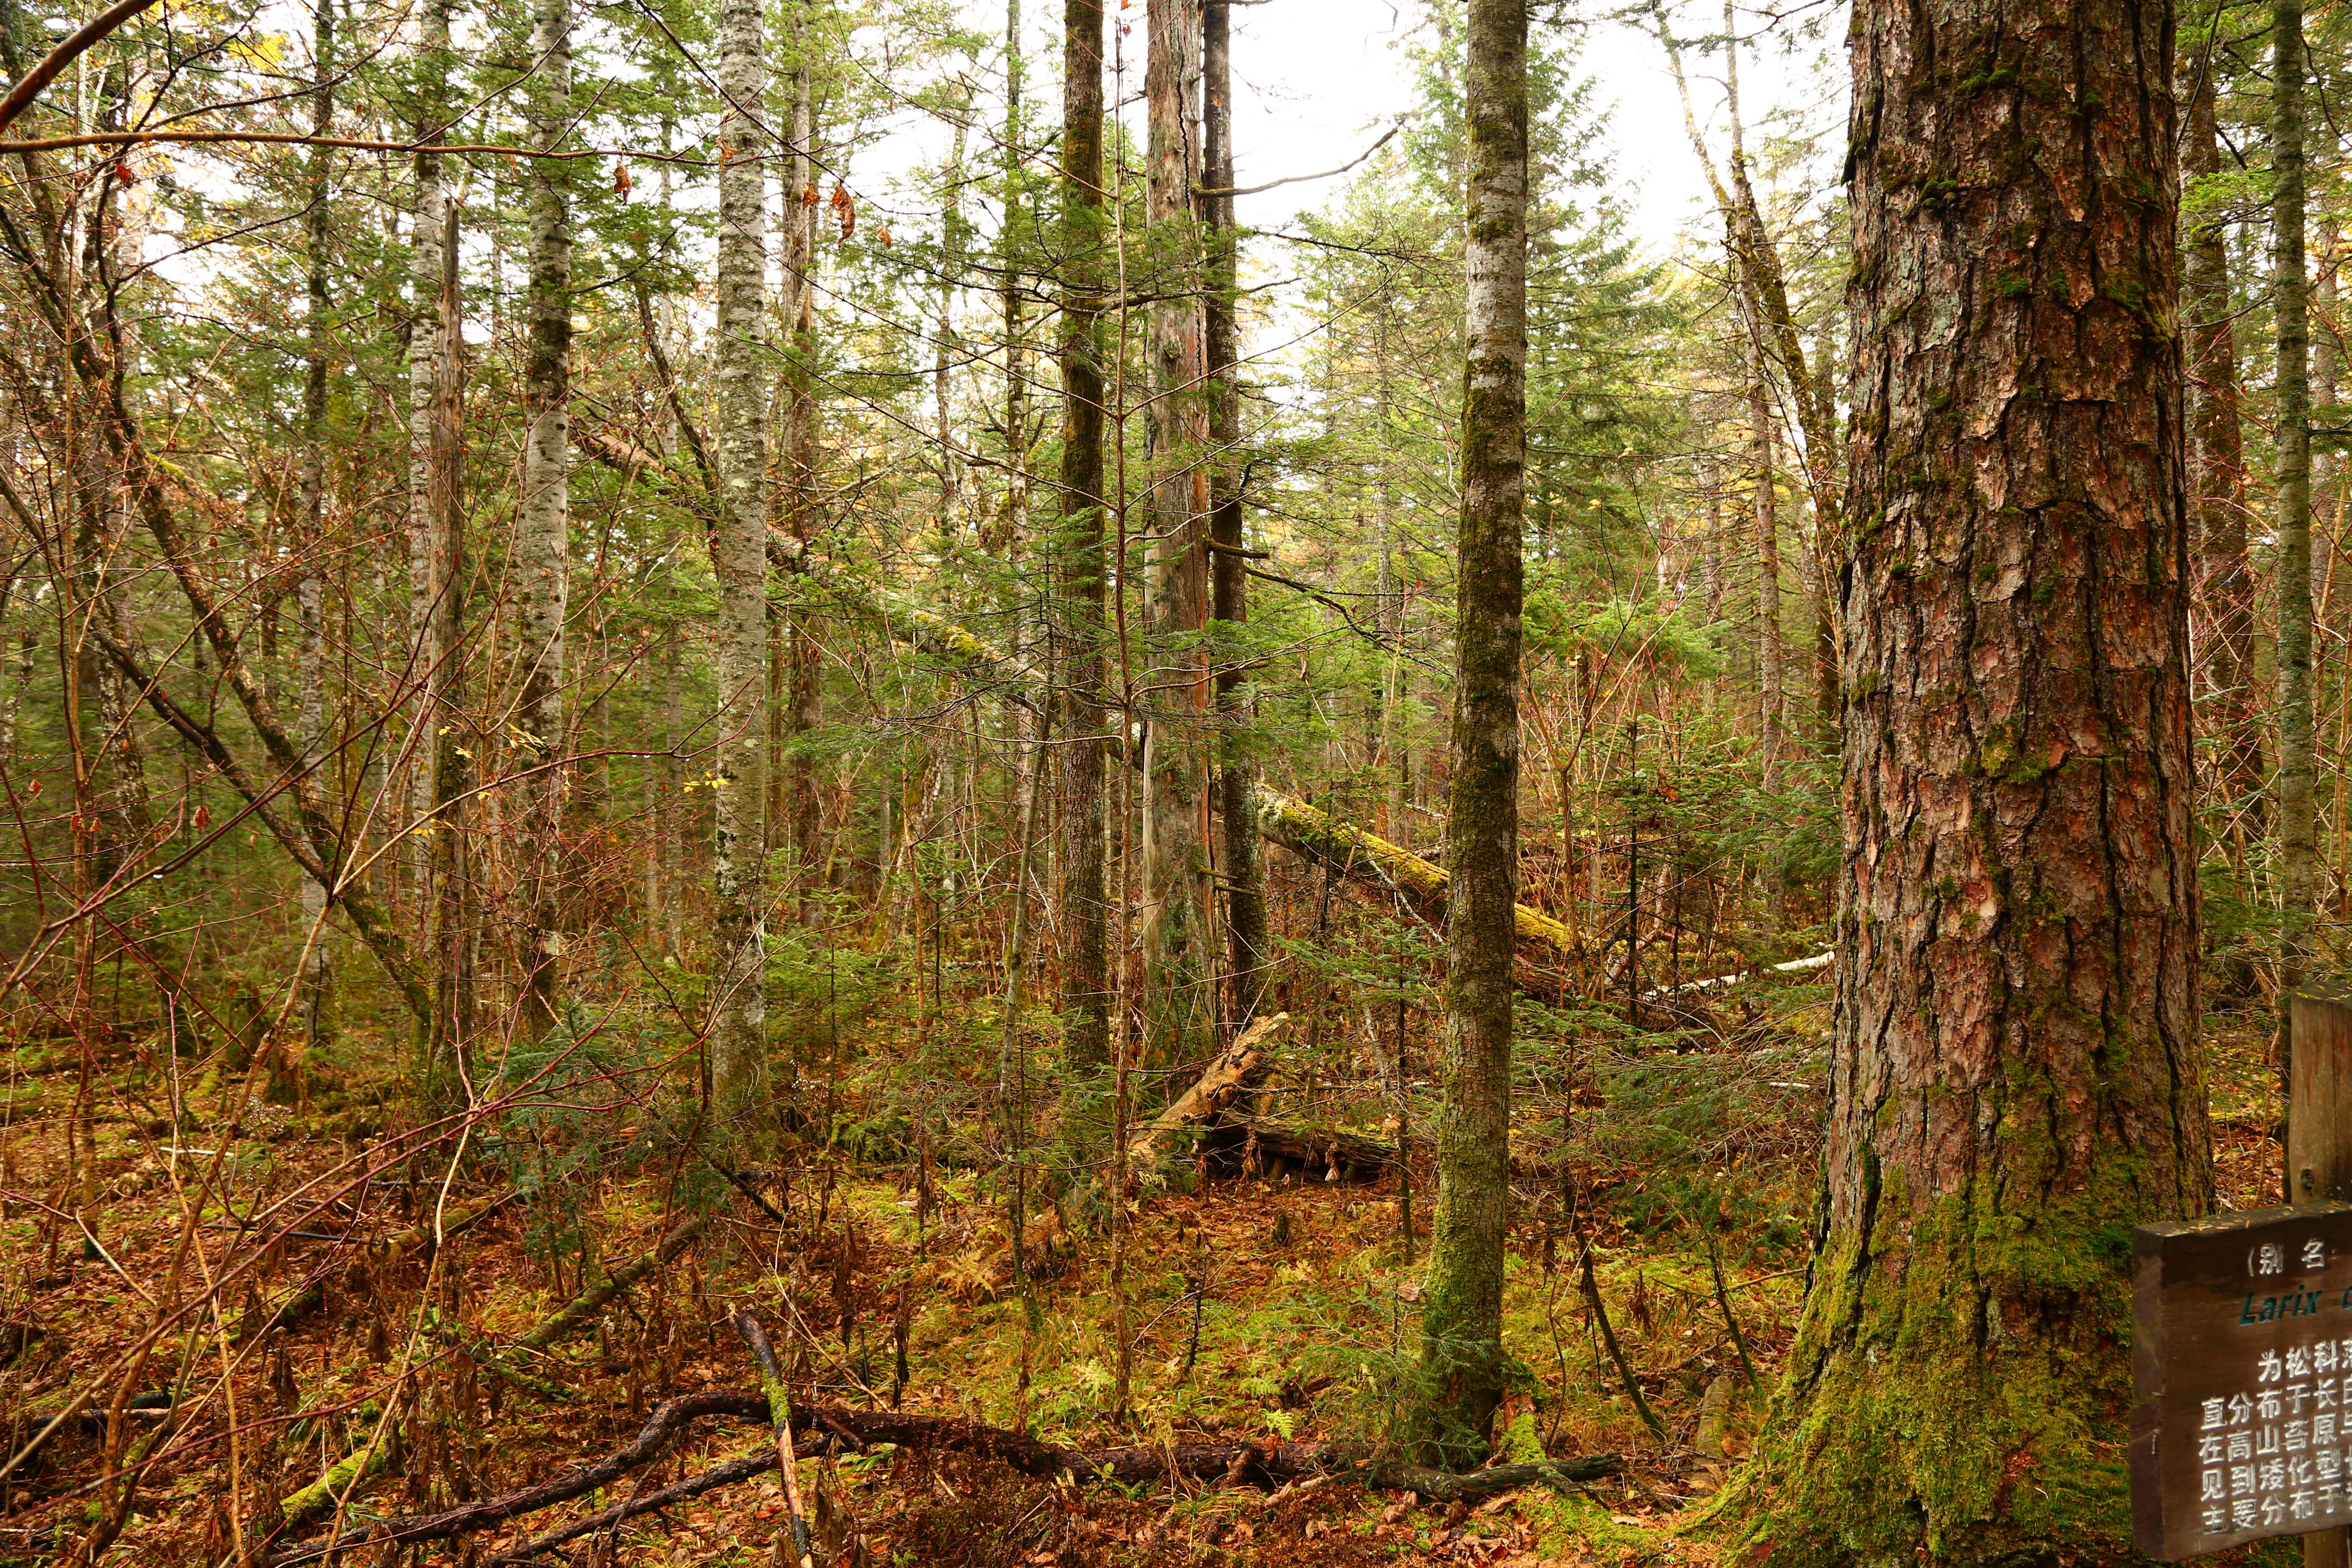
1723	1299
779	1411
1608	1334
1264	1465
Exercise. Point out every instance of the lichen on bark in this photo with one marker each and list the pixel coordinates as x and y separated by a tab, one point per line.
2016	1079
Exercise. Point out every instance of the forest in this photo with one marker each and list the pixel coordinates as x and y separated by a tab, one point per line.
836	782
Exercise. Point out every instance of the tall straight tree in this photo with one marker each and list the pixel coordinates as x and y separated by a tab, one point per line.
801	802
311	593
1085	973
2016	1076
432	357
1463	1365
436	556
1178	959
543	529
1248	942
740	561
2298	822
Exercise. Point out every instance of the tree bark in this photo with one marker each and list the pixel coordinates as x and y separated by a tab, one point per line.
802	691
2298	826
1249	945
739	1006
310	659
1179	1006
543	528
1086	975
436	558
430	347
1463	1363
2015	1072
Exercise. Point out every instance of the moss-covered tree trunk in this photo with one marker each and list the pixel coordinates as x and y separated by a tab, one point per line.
1461	1320
2016	1077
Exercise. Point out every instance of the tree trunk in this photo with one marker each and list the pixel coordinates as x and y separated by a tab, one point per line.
2298	827
1085	973
1766	512
430	347
543	528
1463	1363
2218	472
738	1005
2015	1073
803	692
1248	943
1178	1005
310	655
436	556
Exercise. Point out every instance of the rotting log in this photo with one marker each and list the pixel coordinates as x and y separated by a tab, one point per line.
1220	1083
1265	1465
585	1308
1249	1145
1547	948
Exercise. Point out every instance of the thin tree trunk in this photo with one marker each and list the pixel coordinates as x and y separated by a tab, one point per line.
803	694
543	529
429	346
2297	821
310	658
739	1004
438	567
1463	1367
1249	942
1085	973
2015	1072
1765	515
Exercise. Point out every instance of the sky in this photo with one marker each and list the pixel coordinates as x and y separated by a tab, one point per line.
1319	80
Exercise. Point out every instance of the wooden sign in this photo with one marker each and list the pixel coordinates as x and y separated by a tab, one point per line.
2241	1378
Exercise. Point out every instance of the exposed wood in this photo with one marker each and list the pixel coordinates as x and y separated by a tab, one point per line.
1218	1086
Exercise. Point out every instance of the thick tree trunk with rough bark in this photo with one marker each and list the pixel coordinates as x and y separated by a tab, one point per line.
1463	1363
1086	975
2218	469
2015	1073
1248	943
1179	1005
543	529
739	547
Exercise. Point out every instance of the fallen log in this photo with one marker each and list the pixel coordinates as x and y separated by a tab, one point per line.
1264	1465
1545	946
1819	960
1248	1145
1220	1083
585	1308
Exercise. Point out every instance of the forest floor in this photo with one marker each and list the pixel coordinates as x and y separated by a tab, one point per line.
1260	1310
